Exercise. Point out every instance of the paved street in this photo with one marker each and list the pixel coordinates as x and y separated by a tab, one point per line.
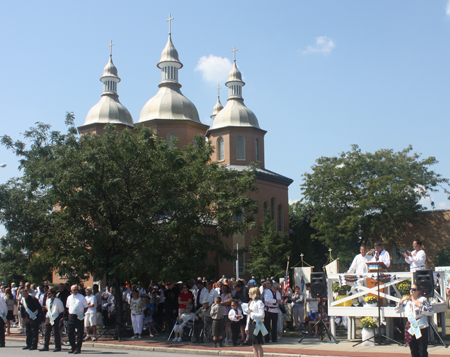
14	348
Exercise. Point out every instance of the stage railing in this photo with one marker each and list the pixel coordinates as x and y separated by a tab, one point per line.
439	301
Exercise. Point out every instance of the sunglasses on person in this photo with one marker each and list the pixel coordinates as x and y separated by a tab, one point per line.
413	289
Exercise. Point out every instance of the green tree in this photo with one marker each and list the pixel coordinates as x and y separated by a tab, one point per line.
301	237
269	250
22	257
442	259
357	195
125	201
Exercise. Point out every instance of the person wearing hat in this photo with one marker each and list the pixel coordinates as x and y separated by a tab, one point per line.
202	320
90	319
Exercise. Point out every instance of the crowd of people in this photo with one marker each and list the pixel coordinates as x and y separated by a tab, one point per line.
233	311
225	307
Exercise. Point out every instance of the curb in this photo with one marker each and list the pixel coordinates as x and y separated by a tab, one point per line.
184	350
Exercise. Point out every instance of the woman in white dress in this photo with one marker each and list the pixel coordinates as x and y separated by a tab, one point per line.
255	314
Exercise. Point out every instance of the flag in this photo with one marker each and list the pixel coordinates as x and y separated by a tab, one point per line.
286	283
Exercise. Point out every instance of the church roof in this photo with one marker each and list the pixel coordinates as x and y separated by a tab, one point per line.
264	174
109	110
169	102
235	113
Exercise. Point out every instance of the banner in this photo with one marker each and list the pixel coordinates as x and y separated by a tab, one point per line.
333	267
302	276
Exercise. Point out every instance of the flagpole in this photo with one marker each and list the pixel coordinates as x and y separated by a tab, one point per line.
237	261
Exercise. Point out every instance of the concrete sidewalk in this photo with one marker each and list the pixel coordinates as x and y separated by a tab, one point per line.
288	346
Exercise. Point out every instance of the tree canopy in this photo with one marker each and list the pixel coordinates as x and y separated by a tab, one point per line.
356	195
123	202
269	251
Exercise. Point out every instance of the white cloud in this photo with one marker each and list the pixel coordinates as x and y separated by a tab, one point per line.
214	69
442	205
291	201
447	8
323	45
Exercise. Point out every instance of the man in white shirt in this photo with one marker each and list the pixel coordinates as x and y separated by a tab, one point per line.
272	298
359	265
416	258
208	293
90	319
55	311
381	255
77	305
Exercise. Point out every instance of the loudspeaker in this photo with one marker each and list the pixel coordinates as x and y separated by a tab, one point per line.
425	279
318	285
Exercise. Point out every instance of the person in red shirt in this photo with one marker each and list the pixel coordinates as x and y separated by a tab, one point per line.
185	298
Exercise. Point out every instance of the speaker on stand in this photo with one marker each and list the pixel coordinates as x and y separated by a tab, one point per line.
318	291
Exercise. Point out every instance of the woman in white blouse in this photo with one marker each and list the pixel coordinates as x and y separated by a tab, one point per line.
254	324
416	309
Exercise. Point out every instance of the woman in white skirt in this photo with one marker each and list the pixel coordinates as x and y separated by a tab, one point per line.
137	307
255	328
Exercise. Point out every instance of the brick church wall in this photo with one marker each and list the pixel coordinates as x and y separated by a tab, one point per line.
432	228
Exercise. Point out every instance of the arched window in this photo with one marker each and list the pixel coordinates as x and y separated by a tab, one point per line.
257	150
220	150
266	209
272	212
280	218
170	138
272	208
240	148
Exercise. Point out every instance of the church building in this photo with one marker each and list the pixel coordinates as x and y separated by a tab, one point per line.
235	133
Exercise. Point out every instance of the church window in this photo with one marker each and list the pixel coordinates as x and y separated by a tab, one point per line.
239	217
266	208
220	150
170	139
272	212
257	150
272	208
280	218
240	148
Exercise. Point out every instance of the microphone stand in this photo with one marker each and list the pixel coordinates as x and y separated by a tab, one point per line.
378	334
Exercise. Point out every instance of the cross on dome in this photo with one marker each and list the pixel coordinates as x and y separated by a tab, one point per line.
110	48
169	20
218	90
234	53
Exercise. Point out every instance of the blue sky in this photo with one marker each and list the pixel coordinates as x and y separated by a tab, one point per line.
320	75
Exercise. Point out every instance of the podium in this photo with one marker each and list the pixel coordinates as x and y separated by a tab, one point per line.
376	267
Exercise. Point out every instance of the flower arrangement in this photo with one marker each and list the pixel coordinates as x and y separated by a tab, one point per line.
341	289
371	299
404	287
369	323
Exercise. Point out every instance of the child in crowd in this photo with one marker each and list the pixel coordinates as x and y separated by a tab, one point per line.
323	311
148	322
217	321
186	319
312	304
203	316
236	317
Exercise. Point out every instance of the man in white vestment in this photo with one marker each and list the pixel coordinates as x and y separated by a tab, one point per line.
416	258
359	265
